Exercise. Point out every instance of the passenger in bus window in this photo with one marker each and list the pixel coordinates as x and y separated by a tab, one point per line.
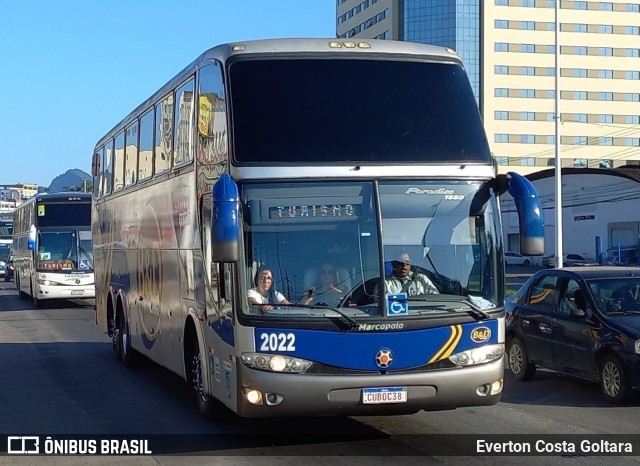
264	294
327	290
403	279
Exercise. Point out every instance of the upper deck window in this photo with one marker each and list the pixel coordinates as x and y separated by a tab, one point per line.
354	111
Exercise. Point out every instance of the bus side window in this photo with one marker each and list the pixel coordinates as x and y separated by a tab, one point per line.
108	168
212	119
97	172
118	163
164	135
145	163
131	154
226	289
183	124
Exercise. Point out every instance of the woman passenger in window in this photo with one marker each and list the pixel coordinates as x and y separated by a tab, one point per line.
327	291
264	295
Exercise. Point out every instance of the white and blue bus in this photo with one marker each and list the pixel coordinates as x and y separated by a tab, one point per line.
6	236
290	154
53	248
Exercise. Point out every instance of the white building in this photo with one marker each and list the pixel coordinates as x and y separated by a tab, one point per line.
596	202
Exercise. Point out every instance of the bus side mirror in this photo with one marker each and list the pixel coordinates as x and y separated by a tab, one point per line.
225	222
530	215
31	240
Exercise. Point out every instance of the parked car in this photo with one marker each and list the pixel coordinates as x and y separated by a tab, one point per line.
583	321
567	260
515	258
2	270
9	270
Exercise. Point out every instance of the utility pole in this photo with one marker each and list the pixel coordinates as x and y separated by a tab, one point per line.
558	180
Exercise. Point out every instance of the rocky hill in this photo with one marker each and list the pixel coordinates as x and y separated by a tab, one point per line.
72	179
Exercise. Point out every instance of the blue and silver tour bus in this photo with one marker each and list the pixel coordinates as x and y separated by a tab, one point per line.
223	200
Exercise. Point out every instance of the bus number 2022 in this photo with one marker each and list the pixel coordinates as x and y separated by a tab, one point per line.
278	342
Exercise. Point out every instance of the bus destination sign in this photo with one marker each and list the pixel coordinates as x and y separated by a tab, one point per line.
313	211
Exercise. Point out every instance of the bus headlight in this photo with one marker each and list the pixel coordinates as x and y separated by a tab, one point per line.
47	282
480	355
275	362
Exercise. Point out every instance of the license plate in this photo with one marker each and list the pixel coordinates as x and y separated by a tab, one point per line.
372	396
77	292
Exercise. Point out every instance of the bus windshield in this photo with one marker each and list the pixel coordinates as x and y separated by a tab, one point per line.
64	249
324	246
354	111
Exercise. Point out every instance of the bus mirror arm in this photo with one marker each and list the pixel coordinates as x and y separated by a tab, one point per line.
530	214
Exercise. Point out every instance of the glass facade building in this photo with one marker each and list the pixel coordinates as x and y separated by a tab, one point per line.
448	23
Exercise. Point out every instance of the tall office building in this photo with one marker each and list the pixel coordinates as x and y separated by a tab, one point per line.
508	48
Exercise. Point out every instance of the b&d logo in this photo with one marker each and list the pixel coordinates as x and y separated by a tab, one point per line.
480	334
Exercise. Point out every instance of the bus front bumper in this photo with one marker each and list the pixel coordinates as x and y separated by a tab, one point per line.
284	394
65	292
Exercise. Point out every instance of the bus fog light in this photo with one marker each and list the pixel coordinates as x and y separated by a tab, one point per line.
483	390
496	387
254	397
273	399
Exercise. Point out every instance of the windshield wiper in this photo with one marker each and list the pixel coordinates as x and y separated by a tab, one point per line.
352	322
624	313
475	311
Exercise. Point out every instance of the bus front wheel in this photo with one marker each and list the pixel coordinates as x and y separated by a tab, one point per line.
210	408
38	304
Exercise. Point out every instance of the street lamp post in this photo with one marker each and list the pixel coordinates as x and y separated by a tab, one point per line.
557	141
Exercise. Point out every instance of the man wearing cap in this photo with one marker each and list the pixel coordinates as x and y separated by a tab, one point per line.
404	280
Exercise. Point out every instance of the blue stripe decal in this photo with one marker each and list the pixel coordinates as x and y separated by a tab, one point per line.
357	350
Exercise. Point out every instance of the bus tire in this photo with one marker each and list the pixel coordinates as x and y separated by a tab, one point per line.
21	294
124	351
37	303
209	408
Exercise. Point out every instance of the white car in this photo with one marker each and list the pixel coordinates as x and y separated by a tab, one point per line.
568	260
515	258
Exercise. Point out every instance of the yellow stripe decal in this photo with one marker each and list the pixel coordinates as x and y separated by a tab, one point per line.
535	299
447	349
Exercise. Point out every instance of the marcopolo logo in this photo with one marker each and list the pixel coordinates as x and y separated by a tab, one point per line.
480	334
383	327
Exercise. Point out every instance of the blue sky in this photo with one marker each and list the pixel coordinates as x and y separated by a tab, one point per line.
71	69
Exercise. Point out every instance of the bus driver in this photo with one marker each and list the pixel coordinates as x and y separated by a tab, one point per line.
404	280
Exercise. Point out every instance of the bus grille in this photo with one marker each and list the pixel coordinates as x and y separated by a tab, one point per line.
319	368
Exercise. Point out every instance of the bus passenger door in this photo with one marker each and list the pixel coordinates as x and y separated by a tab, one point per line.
219	331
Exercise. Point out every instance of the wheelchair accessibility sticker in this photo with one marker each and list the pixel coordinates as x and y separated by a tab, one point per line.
397	304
